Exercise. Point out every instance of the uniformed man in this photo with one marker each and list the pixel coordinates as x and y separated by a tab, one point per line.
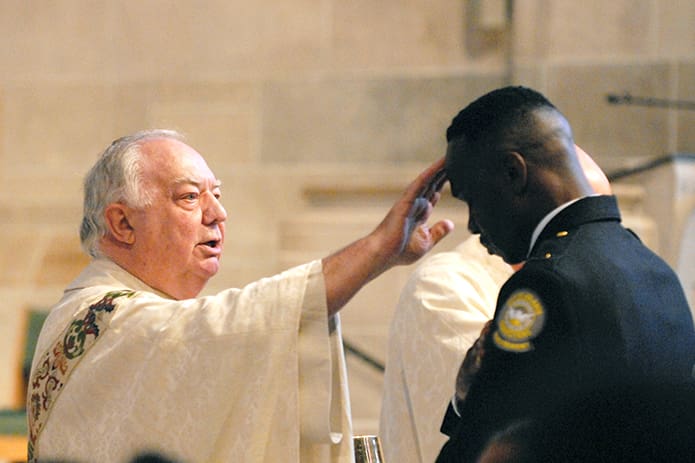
592	308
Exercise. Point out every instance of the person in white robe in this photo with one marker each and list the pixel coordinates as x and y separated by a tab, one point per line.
132	360
439	315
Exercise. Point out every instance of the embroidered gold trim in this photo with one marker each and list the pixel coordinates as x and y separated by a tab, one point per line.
56	364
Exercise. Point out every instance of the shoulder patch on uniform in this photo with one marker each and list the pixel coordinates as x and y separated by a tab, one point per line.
521	319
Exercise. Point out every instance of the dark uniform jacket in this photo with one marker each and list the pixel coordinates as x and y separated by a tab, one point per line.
592	308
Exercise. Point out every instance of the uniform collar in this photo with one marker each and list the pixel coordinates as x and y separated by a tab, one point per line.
573	213
545	221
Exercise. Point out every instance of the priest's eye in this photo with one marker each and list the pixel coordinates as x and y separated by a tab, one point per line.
190	196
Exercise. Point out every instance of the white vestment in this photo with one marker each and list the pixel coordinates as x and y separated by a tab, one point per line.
248	375
440	313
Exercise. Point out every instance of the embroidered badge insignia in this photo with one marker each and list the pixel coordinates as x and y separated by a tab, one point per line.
520	320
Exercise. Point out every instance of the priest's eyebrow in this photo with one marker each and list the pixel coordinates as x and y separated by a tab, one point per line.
196	182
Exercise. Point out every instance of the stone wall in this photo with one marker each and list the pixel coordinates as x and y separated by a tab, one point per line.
289	100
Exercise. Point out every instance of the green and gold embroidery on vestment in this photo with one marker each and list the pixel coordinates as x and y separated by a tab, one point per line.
56	364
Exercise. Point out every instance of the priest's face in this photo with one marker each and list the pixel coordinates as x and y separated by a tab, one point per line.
179	236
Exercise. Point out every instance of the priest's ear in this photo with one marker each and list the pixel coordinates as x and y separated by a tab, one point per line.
117	217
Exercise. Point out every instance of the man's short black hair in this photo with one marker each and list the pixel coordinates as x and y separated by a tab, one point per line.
496	113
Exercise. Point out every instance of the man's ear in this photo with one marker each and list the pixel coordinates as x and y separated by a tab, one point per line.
118	223
515	171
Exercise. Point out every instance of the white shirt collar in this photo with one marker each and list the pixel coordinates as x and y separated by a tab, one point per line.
546	220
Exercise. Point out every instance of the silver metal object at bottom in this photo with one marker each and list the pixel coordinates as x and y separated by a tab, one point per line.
368	449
